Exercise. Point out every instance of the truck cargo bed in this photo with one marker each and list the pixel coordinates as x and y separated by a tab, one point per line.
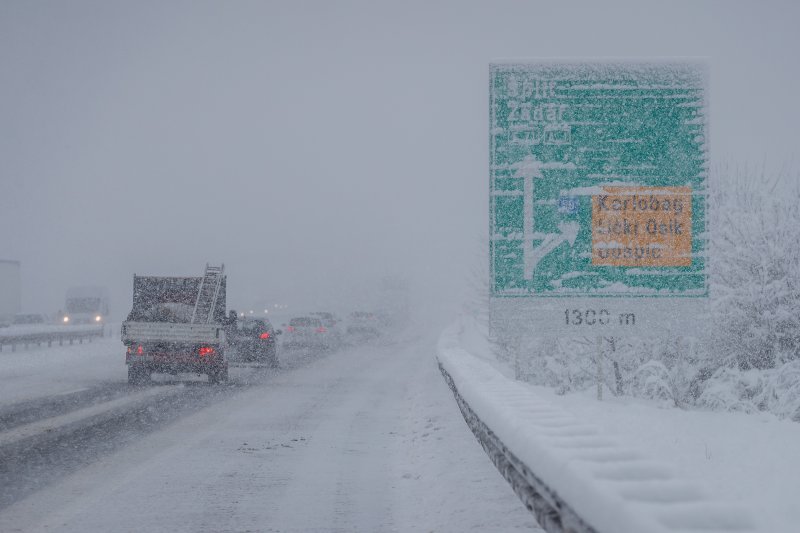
170	332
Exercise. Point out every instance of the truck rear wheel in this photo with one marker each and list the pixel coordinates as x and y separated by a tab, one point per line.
138	375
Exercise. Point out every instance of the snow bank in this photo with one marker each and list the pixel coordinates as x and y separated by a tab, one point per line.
611	486
38	372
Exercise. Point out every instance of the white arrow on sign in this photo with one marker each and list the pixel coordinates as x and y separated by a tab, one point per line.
568	233
530	169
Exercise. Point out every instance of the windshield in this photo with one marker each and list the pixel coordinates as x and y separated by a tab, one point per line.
251	325
83	305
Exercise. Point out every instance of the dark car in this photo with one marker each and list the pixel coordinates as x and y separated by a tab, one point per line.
254	341
307	332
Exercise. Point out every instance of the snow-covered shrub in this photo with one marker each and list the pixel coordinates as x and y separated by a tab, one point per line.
781	391
567	365
755	275
667	370
731	389
652	381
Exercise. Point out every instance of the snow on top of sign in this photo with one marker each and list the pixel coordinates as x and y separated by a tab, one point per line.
677	65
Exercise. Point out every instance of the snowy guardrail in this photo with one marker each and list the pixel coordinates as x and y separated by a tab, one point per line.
27	335
568	473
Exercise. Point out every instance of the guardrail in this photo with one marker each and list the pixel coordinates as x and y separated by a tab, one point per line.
59	334
571	475
552	513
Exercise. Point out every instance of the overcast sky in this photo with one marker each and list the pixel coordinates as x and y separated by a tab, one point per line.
314	147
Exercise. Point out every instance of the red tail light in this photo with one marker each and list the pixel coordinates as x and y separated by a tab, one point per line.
290	329
140	350
264	335
321	329
205	350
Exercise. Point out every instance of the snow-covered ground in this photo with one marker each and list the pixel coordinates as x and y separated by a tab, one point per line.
41	371
363	439
749	459
742	468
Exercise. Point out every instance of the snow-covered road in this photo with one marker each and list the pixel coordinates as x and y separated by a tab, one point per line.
362	439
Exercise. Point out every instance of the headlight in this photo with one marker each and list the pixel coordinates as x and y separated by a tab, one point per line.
66	319
98	318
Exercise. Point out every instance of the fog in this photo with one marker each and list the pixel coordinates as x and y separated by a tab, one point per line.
314	147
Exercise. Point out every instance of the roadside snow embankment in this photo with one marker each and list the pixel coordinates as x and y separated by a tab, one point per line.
40	372
591	482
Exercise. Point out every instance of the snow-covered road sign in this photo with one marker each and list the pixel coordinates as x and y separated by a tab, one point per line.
598	180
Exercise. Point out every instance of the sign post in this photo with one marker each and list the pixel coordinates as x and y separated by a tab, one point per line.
598	207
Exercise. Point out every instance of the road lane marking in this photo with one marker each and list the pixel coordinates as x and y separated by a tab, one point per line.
55	423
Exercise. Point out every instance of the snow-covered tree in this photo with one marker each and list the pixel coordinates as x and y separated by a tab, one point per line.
755	274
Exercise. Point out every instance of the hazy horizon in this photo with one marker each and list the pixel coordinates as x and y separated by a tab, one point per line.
315	147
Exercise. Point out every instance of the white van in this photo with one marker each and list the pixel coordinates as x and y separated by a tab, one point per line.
86	305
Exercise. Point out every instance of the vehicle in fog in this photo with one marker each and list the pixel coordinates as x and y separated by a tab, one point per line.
254	340
86	305
307	332
177	325
363	325
331	322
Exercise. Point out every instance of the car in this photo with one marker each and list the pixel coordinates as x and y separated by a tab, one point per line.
363	325
254	340
332	323
307	332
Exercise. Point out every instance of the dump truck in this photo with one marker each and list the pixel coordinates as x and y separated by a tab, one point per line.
177	325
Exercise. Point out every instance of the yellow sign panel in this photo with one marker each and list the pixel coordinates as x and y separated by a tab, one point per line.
642	226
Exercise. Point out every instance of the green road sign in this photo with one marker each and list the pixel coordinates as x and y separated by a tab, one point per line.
598	179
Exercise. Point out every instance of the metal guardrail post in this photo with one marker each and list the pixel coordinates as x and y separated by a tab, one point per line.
27	339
